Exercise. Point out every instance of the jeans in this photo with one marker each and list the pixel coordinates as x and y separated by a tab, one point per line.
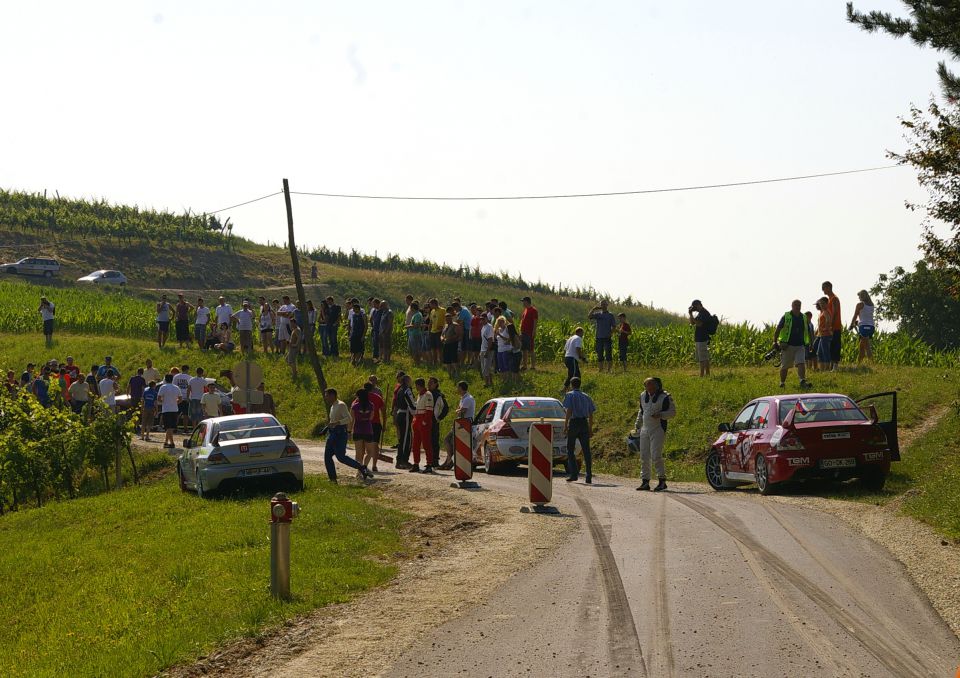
573	370
337	447
579	429
604	349
324	340
200	334
332	339
375	342
836	345
824	350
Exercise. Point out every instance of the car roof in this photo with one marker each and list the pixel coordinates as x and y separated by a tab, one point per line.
237	417
808	396
513	398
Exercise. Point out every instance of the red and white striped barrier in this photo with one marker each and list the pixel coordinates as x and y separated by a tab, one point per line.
463	449
540	464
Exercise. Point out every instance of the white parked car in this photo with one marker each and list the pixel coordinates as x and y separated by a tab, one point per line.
33	266
502	426
229	451
104	278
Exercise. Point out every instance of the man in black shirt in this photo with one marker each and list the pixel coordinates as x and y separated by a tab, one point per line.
701	334
333	323
792	337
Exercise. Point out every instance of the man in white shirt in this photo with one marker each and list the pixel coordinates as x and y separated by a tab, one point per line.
201	322
223	312
244	319
169	397
47	311
108	391
466	409
195	388
182	381
488	350
572	355
284	313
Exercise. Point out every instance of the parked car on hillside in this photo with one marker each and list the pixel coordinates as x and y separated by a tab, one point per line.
226	452
501	430
104	278
776	439
33	266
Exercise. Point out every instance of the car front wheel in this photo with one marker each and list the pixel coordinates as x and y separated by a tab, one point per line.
48	274
715	471
182	478
762	473
200	491
488	464
11	269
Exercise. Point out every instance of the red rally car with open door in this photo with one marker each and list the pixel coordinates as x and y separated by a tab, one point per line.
783	438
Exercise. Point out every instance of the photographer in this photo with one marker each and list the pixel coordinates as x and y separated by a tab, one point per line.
702	324
46	311
791	338
606	324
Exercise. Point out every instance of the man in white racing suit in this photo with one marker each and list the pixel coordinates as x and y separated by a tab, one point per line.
656	407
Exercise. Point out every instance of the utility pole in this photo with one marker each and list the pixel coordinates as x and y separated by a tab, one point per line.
301	295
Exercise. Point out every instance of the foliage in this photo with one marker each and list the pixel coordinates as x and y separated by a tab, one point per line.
922	303
932	23
129	583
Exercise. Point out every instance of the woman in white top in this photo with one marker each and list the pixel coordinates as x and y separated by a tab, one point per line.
863	323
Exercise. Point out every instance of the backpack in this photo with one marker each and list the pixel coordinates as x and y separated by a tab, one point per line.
713	322
440	407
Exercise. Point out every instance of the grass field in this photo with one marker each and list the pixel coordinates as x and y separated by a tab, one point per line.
130	582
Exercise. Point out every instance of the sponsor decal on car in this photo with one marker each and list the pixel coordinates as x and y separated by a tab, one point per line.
873	456
798	461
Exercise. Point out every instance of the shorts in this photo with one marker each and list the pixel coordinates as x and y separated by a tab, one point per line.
604	347
292	354
450	353
434	340
476	345
163	326
792	355
526	342
377	432
283	333
170	420
200	334
246	339
703	351
183	330
195	411
866	331
48	326
363	436
147	420
465	343
414	343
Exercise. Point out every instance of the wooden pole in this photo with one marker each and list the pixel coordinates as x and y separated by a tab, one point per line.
301	295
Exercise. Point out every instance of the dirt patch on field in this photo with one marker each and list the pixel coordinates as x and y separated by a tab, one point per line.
465	543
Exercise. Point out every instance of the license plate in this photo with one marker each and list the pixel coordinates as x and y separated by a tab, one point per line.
257	471
837	435
847	462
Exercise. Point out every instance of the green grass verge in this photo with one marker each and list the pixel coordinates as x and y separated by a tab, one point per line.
127	583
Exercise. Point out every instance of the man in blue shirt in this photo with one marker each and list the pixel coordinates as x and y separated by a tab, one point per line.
578	425
606	324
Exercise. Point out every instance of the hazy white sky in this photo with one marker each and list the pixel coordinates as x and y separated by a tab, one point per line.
206	104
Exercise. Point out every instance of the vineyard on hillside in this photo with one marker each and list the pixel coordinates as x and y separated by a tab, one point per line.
97	312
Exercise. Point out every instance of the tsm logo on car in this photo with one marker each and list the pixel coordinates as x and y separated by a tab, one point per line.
798	461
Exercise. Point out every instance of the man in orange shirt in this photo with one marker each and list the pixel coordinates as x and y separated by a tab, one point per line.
833	308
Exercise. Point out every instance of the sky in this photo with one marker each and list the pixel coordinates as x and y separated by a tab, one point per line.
201	105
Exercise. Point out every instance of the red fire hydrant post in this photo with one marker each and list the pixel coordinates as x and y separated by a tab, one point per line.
540	467
282	513
463	454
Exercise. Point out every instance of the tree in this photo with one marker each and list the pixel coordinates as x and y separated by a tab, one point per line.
933	23
921	303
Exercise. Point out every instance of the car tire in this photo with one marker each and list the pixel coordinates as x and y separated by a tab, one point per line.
12	270
201	493
183	480
48	274
762	475
714	472
488	465
873	480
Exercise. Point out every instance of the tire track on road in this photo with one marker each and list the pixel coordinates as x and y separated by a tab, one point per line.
899	659
624	642
664	646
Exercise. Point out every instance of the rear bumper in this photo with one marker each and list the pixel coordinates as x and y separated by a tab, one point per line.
799	466
517	452
284	469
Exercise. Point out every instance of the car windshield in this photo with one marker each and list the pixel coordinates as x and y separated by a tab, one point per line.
534	409
821	409
250	427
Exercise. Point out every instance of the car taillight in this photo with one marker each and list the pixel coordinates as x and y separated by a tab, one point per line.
790	443
878	438
217	458
506	431
291	450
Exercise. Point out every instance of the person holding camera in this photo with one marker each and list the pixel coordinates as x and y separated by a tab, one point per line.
47	311
791	337
702	323
606	324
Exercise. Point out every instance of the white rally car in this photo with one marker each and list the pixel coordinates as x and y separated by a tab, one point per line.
502	426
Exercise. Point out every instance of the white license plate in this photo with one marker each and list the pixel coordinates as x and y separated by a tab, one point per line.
847	462
257	471
837	435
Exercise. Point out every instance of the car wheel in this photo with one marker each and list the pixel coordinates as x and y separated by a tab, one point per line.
762	474
873	480
488	464
182	479
200	491
715	472
48	274
12	269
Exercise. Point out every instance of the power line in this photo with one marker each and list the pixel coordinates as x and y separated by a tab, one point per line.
592	195
224	209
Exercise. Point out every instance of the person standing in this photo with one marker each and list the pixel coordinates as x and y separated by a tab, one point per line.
79	395
436	328
606	324
108	391
702	323
578	427
463	317
195	390
791	338
466	409
149	410
267	321
376	316
313	272
863	322
386	331
336	446
293	347
210	402
440	410
223	312
181	379
402	408
528	329
504	346
361	426
169	396
358	332
72	369
41	386
201	319
151	373
824	335
812	348
182	320
322	318
423	428
833	307
414	336
450	338
47	310
572	356
488	349
656	407
623	339
244	320
163	320
334	316
107	365
136	385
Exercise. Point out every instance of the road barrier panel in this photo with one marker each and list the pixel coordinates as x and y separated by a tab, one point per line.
463	454
540	468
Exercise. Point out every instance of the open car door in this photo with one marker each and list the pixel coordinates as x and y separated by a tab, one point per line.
885	405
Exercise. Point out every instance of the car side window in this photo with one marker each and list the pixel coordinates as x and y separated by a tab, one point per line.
196	440
491	411
761	416
742	422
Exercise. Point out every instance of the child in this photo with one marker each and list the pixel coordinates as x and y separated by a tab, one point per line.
149	400
623	338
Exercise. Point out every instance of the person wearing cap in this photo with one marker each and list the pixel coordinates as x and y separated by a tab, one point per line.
528	328
182	320
656	407
107	366
701	335
46	311
244	320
